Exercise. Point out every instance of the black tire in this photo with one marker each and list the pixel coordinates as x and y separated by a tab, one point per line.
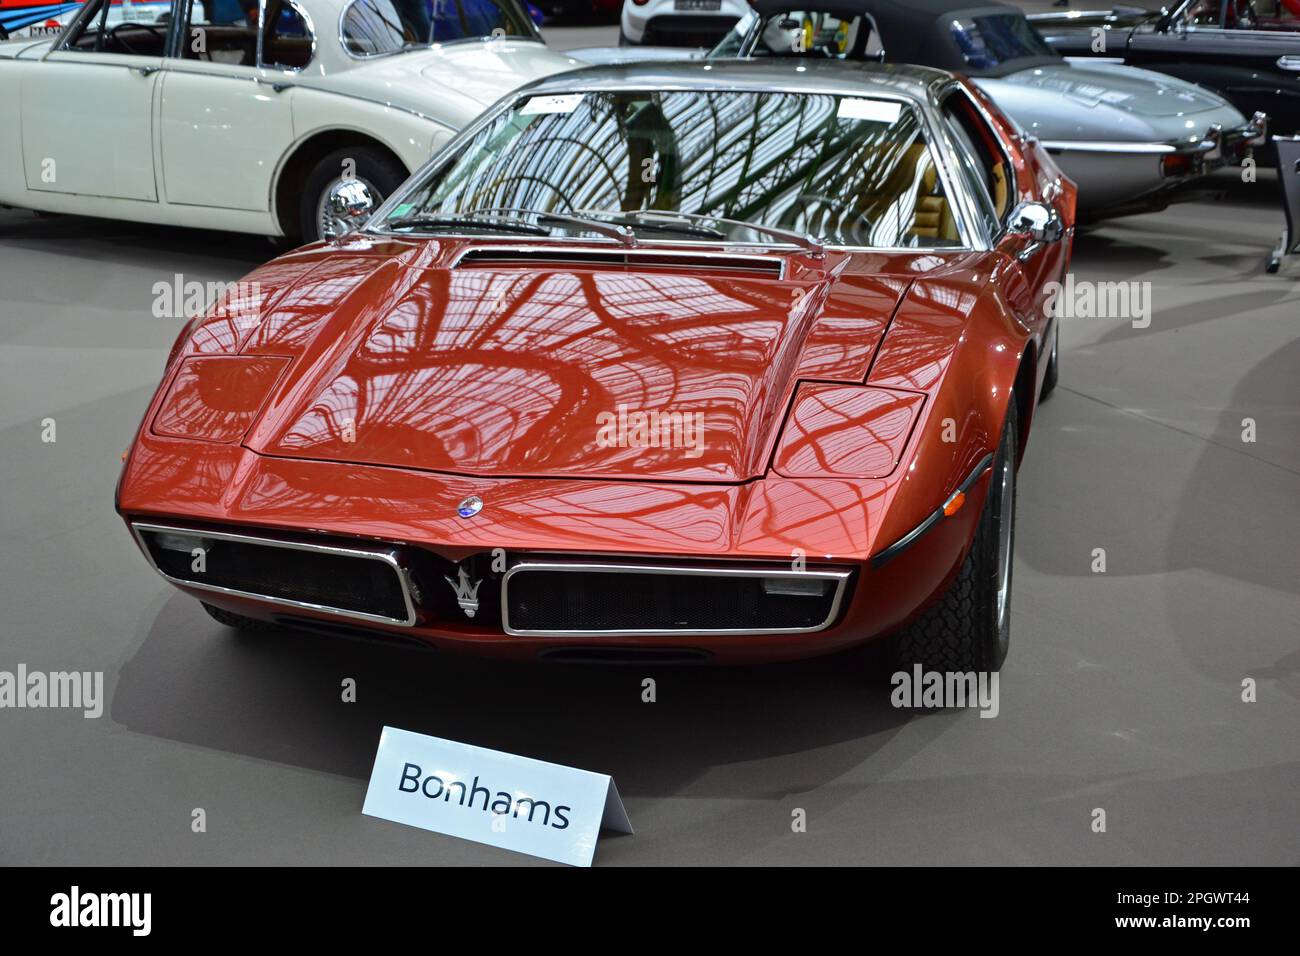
248	625
1053	365
963	630
376	168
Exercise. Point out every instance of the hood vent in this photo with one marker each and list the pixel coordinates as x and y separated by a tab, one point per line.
629	259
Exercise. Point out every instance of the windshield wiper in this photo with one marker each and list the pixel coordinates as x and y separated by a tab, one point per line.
472	220
592	224
801	239
637	220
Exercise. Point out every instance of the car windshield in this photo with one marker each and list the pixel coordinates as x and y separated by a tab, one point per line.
690	165
988	41
374	27
813	34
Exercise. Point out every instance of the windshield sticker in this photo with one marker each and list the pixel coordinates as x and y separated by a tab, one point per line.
565	103
874	111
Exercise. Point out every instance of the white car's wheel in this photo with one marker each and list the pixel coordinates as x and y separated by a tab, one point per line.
372	167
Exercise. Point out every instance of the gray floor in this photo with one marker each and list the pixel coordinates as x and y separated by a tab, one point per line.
1122	690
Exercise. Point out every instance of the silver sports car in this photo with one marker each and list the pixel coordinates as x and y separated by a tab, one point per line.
1132	140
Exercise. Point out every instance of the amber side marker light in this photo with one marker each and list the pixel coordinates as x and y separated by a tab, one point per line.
953	504
1177	164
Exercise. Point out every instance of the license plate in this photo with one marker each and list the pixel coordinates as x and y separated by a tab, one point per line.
692	6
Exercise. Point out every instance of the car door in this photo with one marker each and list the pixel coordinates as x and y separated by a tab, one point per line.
87	107
226	117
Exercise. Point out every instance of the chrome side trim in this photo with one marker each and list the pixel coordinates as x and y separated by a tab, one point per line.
1098	146
384	556
840	577
933	518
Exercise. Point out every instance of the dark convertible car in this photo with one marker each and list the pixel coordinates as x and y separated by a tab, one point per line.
1248	51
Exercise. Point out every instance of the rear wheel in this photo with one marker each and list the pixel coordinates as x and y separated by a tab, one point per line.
379	172
238	621
969	628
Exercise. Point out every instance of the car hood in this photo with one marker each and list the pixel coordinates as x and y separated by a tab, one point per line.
1108	101
451	84
552	370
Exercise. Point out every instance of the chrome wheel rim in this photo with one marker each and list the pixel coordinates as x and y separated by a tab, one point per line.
1006	491
326	224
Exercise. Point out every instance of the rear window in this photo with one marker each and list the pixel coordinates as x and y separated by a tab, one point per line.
989	41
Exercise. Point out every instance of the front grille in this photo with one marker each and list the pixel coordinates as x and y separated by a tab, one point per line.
563	599
348	581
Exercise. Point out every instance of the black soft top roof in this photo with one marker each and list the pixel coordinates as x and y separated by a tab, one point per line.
915	31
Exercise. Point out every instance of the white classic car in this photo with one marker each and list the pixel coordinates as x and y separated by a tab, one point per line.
250	115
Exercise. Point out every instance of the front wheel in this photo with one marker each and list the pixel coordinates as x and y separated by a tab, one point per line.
969	628
379	172
1053	367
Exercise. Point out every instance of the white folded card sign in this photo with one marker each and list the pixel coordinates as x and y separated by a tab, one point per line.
491	797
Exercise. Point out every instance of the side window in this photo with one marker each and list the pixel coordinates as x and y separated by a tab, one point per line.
981	157
104	30
1262	15
1203	13
287	39
222	31
817	35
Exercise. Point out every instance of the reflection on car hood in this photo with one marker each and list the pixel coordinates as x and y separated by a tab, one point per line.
1121	87
1109	102
503	371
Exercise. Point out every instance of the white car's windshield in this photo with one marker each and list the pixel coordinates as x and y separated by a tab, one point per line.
701	164
374	27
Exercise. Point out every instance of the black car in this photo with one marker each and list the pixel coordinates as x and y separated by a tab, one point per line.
1248	51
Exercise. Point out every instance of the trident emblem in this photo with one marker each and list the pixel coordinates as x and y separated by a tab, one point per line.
466	593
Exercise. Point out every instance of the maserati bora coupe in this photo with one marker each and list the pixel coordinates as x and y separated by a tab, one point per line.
728	361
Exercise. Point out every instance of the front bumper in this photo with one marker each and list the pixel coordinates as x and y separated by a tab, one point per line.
404	517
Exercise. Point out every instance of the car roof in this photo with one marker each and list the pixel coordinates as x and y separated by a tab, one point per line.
916	31
915	83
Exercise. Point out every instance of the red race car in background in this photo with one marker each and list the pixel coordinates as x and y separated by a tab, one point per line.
729	361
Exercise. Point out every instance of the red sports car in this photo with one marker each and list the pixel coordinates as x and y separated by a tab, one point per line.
729	361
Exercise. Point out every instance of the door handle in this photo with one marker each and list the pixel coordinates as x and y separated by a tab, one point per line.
145	70
275	87
1289	62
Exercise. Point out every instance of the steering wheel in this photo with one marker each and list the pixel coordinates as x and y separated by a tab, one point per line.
151	27
821	212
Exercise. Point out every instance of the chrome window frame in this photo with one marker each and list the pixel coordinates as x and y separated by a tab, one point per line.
972	239
999	223
262	27
60	42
